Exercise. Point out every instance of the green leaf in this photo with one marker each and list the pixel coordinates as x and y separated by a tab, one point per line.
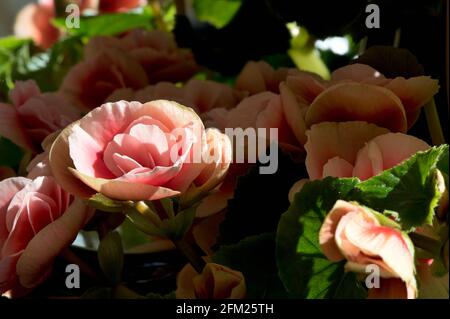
254	256
303	269
152	295
12	42
216	12
110	257
105	204
10	153
107	24
410	189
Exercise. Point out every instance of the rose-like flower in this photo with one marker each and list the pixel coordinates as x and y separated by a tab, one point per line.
215	282
37	221
156	51
363	237
91	81
262	110
33	115
257	77
358	92
356	149
34	21
134	151
200	95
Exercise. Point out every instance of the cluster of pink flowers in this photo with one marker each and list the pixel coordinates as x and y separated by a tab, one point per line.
120	113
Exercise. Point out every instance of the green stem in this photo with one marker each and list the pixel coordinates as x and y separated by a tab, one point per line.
189	252
143	209
434	125
426	243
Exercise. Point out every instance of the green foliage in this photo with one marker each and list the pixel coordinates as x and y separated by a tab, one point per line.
216	12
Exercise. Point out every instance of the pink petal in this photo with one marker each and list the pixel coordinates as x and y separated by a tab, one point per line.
358	102
8	277
414	93
11	127
155	141
253	77
328	140
356	72
125	190
294	113
306	87
337	167
392	288
327	232
49	242
60	161
383	242
386	151
23	91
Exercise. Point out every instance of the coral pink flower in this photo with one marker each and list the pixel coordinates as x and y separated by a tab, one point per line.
132	151
37	221
156	51
362	237
262	110
257	77
359	92
33	115
90	82
215	282
356	149
34	21
200	95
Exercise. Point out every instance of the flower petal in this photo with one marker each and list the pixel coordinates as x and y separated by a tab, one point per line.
358	102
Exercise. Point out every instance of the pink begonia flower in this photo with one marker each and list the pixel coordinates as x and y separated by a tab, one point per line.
215	282
40	164
257	77
133	151
155	51
359	92
262	110
91	81
360	236
34	21
37	221
201	95
354	149
33	115
358	149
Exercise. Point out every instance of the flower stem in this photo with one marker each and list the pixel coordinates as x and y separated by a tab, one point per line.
189	252
157	12
143	209
434	125
426	243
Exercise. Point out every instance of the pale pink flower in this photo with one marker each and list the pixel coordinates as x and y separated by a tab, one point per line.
356	234
34	21
257	77
155	51
91	81
33	115
356	149
215	282
37	221
358	92
133	151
